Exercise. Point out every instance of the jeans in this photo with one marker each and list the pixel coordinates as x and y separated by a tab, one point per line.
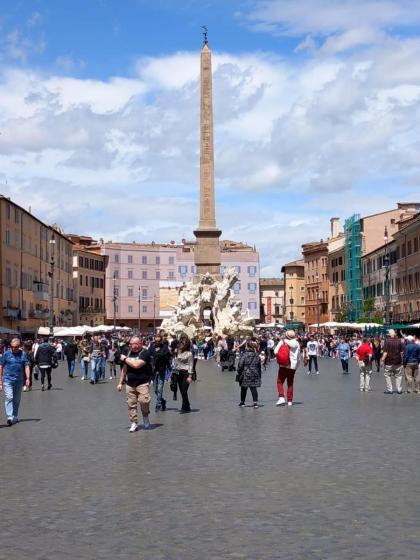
71	363
413	384
95	365
102	368
159	385
183	388
313	359
345	365
365	374
45	371
84	368
12	394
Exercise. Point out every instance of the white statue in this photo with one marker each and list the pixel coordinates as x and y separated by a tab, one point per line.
216	296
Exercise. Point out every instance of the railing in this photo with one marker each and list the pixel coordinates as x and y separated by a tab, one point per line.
41	296
12	312
39	314
91	310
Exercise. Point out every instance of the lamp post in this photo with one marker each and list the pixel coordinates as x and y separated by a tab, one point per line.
291	303
387	271
139	310
317	298
51	275
114	301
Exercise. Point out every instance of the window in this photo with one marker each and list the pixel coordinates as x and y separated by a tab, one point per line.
277	310
171	275
222	269
237	287
183	270
409	247
144	260
252	270
130	259
8	277
252	305
130	309
8	211
171	260
144	274
157	260
8	237
144	308
157	274
252	287
17	216
80	261
116	274
237	269
130	274
117	291
81	280
130	292
144	293
194	269
116	258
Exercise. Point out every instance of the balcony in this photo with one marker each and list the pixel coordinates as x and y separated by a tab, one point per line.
39	314
92	310
40	296
11	312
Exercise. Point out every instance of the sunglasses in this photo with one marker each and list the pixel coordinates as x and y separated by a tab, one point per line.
15	347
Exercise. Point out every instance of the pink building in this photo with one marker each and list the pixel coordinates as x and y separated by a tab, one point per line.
136	272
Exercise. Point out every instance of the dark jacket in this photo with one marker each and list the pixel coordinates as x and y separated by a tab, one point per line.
44	354
250	367
411	353
70	351
160	358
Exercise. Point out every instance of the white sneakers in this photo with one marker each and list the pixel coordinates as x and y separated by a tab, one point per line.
133	427
289	403
82	379
281	401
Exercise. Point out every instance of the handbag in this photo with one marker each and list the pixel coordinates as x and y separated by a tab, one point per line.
54	362
239	377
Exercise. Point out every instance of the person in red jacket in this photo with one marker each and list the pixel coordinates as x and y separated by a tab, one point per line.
364	358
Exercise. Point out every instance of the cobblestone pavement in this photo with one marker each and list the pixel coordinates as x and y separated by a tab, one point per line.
334	477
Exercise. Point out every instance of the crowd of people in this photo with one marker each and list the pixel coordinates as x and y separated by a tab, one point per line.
140	363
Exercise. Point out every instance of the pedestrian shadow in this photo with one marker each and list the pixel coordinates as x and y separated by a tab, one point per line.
251	406
21	421
152	427
192	410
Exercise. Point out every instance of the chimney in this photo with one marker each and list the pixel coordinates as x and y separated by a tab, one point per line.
335	227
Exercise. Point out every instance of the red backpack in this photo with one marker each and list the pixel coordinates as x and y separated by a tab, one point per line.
283	355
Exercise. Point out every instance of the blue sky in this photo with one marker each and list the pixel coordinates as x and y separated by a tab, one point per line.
316	103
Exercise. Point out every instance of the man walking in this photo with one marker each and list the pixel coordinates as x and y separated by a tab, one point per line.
137	373
44	357
96	357
392	360
71	351
312	349
161	355
411	365
364	358
14	372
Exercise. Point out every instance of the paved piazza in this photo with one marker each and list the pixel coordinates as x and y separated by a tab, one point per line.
334	477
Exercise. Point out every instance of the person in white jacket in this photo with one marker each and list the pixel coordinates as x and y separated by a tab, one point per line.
288	372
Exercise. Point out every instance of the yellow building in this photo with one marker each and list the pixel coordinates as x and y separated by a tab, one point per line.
294	291
29	252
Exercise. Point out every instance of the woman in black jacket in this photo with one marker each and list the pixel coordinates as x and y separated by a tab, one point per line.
249	372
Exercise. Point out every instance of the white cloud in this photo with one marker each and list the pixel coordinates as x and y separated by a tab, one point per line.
344	23
323	128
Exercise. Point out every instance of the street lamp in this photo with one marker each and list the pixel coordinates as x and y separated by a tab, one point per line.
387	271
139	310
291	303
317	298
114	301
51	276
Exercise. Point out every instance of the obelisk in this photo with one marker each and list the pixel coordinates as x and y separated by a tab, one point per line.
207	249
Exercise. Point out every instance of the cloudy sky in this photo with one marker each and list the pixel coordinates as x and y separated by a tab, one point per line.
316	106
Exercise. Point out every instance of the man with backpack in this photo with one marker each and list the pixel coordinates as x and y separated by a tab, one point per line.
287	354
364	358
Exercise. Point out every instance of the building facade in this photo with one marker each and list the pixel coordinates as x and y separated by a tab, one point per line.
294	291
315	255
337	284
380	280
139	275
35	259
271	300
88	282
407	282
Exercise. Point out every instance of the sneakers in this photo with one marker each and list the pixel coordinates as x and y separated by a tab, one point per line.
82	378
92	382
387	392
361	389
146	422
49	387
9	422
256	405
42	387
133	428
399	392
241	404
308	373
25	388
290	403
317	372
281	401
111	378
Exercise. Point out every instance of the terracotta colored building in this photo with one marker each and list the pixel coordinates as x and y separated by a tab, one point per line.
27	247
